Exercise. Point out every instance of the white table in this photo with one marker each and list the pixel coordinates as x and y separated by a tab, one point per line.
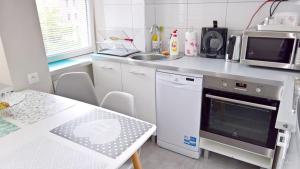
47	143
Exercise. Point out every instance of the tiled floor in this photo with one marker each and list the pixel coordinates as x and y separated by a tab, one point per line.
154	157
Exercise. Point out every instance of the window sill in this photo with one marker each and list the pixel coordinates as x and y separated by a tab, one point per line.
63	65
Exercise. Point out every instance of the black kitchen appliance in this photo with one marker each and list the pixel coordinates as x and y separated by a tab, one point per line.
213	42
241	114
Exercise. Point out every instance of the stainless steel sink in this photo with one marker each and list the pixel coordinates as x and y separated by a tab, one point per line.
152	57
148	57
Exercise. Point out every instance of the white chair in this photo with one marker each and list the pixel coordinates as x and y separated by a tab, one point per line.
77	86
122	103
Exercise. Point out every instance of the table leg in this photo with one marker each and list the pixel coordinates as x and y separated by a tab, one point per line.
135	158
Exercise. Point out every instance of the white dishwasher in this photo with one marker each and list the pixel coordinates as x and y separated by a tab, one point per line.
178	104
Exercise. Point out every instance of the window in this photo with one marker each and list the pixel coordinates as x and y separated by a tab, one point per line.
66	28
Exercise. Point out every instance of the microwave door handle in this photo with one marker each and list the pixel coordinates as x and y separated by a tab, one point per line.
293	54
297	53
242	102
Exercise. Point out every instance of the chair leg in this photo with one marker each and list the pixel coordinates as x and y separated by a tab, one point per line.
135	158
153	139
206	154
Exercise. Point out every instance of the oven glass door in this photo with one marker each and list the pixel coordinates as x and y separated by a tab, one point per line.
240	117
270	49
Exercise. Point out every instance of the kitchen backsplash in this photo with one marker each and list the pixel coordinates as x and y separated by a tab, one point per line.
137	16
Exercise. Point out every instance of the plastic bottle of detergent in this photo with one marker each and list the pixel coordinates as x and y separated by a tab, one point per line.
174	44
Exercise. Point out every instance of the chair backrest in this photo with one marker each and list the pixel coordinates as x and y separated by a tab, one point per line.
77	86
120	102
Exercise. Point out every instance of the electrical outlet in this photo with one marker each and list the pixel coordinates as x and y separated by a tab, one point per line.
33	78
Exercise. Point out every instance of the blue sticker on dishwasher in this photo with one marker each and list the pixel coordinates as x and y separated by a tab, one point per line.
190	140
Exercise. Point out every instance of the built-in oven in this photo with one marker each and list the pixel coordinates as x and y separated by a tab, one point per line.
241	114
271	49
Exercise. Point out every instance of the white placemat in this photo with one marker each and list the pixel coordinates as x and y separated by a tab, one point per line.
34	106
104	132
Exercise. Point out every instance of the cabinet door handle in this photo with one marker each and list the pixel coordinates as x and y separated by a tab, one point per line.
137	73
105	67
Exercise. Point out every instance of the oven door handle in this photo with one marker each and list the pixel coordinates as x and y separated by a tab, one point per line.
242	102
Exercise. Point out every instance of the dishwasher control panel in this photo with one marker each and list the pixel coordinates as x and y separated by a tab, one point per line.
178	78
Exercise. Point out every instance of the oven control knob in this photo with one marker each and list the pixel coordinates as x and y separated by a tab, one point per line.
258	90
225	84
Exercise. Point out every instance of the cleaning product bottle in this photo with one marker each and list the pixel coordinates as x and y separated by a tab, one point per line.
174	44
155	39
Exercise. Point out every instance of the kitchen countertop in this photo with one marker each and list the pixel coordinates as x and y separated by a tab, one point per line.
286	119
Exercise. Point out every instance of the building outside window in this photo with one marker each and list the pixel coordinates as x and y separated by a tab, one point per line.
66	28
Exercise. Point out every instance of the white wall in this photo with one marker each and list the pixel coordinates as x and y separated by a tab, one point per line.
23	45
137	16
4	72
195	14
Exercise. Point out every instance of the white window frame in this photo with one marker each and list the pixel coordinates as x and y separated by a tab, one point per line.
84	51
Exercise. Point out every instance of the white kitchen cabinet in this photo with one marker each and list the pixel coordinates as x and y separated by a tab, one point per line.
140	82
107	77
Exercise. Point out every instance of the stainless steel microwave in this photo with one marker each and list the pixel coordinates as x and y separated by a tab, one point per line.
271	49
